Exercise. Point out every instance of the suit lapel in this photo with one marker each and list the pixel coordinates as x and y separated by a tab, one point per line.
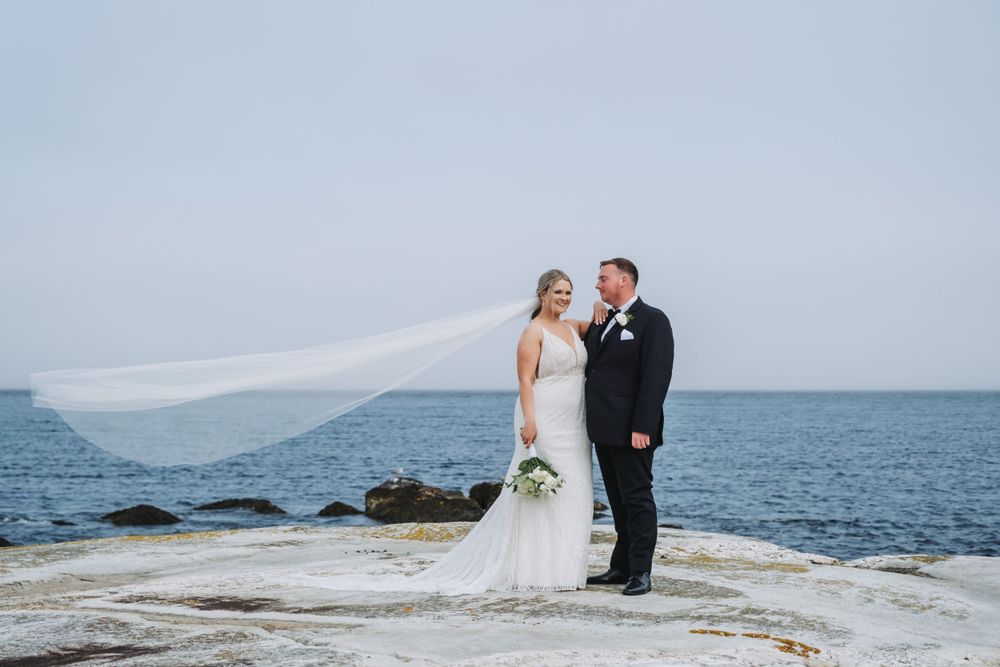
634	309
601	342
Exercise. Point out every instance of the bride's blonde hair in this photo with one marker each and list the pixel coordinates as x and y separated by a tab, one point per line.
545	283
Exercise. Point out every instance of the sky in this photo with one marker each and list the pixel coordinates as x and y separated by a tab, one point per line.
811	191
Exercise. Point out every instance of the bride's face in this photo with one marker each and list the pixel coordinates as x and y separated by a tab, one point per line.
559	296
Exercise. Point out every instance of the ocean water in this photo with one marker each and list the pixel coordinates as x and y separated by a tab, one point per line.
841	474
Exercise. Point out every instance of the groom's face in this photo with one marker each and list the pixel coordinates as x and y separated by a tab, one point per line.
611	284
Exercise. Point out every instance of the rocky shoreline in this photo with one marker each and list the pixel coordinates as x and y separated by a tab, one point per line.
239	597
397	500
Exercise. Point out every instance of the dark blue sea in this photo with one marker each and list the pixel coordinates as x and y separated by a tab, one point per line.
841	474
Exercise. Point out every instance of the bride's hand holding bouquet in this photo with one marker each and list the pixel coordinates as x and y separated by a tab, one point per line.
528	433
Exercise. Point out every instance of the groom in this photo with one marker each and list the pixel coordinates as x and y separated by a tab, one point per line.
630	360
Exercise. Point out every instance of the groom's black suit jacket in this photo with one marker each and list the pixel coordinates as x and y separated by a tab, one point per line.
627	380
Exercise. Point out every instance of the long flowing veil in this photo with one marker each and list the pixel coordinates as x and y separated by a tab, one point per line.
203	411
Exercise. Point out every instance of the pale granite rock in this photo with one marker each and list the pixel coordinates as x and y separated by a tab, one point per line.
231	597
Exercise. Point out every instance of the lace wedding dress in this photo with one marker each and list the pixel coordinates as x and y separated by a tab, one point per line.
523	543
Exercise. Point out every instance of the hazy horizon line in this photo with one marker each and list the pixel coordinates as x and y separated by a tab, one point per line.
677	391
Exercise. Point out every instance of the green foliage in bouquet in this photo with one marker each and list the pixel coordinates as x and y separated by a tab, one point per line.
535	477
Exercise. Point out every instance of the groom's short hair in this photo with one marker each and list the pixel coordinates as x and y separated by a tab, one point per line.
625	266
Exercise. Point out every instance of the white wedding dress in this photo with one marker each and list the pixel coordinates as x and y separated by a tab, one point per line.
523	543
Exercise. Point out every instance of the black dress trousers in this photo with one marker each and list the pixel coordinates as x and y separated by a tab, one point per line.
628	479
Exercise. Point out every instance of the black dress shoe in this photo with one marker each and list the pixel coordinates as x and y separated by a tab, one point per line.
612	576
638	584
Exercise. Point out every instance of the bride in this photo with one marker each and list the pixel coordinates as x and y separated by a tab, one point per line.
202	411
526	543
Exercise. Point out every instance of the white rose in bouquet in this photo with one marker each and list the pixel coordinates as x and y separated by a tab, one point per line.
534	477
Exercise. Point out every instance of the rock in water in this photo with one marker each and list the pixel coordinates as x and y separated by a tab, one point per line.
339	509
141	515
599	509
486	493
5	543
401	500
259	505
62	522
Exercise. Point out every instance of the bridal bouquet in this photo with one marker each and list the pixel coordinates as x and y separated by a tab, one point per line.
535	477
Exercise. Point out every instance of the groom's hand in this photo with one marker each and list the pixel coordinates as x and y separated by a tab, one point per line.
640	440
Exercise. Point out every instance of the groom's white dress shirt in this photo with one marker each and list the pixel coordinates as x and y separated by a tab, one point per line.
611	320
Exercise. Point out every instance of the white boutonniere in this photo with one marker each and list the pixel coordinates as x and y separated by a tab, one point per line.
624	318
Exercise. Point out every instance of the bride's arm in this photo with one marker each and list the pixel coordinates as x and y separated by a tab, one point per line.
599	317
529	350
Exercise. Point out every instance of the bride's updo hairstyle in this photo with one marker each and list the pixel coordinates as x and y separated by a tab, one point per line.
545	283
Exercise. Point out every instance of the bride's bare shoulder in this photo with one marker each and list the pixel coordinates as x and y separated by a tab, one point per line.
529	347
531	337
533	331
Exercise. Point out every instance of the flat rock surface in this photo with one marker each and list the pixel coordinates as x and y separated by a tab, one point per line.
230	598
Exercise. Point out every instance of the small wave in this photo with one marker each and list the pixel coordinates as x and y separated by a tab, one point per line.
5	519
794	521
